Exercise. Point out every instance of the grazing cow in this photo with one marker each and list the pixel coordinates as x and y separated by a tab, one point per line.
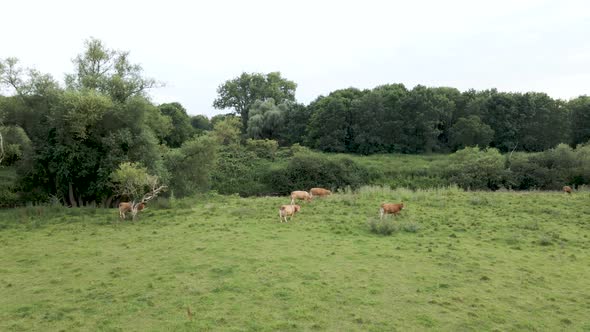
320	192
125	207
390	208
567	189
288	210
302	195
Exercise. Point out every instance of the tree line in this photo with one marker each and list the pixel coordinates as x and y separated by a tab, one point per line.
393	118
67	141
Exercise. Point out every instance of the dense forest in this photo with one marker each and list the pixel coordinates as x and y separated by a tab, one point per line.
65	140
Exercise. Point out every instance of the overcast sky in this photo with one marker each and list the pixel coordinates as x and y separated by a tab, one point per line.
516	45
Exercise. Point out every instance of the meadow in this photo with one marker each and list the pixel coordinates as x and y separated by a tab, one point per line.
457	261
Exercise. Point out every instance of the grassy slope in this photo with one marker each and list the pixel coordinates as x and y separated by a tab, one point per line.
477	263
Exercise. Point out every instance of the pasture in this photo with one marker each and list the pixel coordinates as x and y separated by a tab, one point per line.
506	261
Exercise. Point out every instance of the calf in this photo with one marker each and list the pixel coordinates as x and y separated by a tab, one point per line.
567	189
301	195
288	210
320	192
125	207
390	208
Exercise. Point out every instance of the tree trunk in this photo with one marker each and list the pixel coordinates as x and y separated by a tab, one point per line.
107	203
71	196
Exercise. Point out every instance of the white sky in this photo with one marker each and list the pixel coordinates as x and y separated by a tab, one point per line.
513	45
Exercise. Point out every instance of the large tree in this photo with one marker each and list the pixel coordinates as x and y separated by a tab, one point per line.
330	127
108	71
81	134
266	119
241	92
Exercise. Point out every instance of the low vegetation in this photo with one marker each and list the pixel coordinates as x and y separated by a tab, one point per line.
455	260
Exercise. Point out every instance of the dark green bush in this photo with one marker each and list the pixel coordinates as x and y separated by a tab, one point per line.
8	198
472	168
308	170
263	148
240	172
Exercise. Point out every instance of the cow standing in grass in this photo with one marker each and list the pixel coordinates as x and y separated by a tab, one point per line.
319	192
300	195
390	208
125	207
288	210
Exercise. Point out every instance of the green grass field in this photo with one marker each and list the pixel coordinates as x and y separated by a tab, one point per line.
472	261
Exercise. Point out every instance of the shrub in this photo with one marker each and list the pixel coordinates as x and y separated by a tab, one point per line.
385	226
262	148
410	227
472	168
238	171
8	198
16	144
309	170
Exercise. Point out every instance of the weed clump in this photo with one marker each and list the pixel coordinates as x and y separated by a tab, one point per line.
545	241
385	226
388	226
410	227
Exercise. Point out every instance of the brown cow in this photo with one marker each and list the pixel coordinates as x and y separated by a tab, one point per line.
320	192
301	195
390	208
288	210
125	207
567	189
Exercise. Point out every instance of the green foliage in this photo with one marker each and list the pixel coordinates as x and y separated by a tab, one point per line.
266	119
227	131
201	123
385	226
580	119
15	144
305	171
9	198
239	171
476	169
241	92
470	131
182	129
330	126
132	180
263	148
108	71
296	119
555	167
191	165
8	191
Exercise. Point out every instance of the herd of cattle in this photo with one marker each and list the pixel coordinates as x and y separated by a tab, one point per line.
290	210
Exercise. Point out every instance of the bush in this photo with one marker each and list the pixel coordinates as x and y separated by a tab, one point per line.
472	168
308	170
551	169
263	148
410	227
16	144
8	198
385	226
240	172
